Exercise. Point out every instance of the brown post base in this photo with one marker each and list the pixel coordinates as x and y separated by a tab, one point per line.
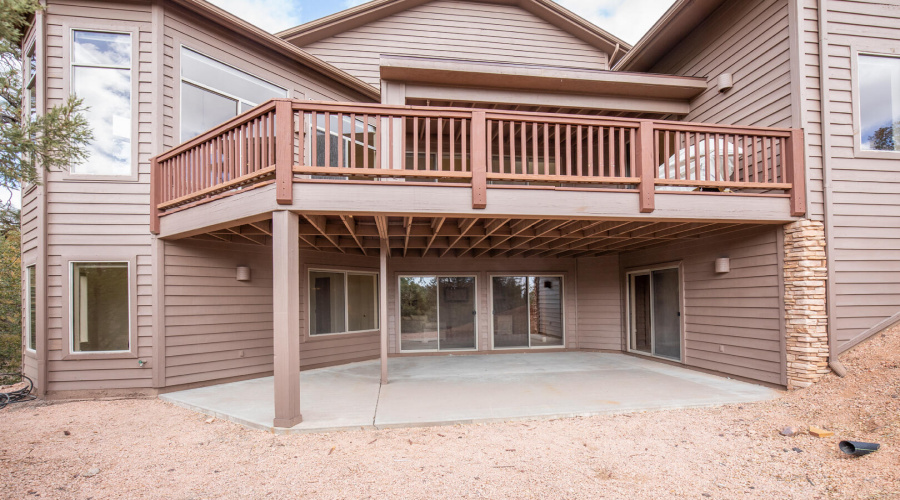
287	423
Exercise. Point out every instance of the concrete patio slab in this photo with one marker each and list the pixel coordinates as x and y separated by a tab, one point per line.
442	390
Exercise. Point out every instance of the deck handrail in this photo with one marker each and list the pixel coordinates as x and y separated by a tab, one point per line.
289	140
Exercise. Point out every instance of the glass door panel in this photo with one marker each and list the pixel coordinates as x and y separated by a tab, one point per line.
456	312
510	307
418	313
545	311
666	314
640	319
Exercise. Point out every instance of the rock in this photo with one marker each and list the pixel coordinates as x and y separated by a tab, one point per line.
67	433
210	420
798	450
790	431
820	432
91	473
707	495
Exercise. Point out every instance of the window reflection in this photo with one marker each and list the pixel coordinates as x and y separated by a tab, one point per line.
879	103
101	76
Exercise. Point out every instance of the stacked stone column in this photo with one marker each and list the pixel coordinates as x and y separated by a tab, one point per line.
805	275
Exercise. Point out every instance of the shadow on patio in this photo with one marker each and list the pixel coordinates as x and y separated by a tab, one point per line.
446	390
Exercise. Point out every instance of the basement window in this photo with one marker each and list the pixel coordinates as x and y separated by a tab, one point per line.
342	302
100	307
879	103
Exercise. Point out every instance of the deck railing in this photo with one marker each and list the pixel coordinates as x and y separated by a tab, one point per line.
286	141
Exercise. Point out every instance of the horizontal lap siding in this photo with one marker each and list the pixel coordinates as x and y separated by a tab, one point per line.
599	304
30	228
86	218
866	192
458	30
483	269
739	311
217	327
183	28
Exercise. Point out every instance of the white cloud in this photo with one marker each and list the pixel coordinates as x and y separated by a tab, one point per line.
270	15
626	19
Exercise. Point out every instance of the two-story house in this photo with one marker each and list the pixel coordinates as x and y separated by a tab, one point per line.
447	176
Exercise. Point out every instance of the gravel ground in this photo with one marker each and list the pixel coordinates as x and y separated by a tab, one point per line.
150	449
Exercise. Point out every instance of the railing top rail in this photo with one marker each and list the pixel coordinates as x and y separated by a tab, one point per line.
219	129
673	126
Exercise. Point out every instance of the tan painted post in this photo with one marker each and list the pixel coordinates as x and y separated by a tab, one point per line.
155	190
479	160
644	168
284	152
795	172
286	317
383	312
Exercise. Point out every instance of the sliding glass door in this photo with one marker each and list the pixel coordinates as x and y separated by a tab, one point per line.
527	311
655	312
437	313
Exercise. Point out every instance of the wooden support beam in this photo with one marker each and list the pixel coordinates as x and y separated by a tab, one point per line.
286	318
350	224
407	225
479	160
381	223
541	230
490	227
436	224
318	222
464	225
515	229
284	152
795	172
644	166
238	233
383	309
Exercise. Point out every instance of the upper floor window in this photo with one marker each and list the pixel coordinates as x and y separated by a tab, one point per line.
213	92
879	103
101	75
30	67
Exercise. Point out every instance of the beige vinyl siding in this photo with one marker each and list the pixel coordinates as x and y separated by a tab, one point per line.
30	230
483	270
865	218
217	327
87	217
458	30
599	304
739	311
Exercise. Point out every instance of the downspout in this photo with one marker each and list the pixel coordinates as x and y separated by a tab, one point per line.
822	11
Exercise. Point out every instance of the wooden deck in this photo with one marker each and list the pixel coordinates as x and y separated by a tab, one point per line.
286	142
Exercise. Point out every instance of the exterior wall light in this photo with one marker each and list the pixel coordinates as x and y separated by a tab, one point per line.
243	273
723	265
724	82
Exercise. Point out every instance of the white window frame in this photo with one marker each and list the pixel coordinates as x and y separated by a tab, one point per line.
29	319
885	49
345	272
437	276
71	323
101	27
562	307
629	301
239	100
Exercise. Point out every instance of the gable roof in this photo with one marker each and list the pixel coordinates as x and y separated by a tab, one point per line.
266	39
677	22
378	9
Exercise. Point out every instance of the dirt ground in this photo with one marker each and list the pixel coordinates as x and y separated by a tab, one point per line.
150	449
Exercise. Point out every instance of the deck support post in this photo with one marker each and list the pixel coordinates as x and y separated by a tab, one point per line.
286	317
284	151
644	168
795	172
383	311
479	160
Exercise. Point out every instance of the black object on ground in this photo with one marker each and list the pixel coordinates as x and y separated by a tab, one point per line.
858	448
19	395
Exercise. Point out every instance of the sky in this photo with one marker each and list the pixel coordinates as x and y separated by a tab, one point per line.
626	19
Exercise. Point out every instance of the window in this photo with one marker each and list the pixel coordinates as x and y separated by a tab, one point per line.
30	67
527	311
101	76
100	307
879	103
342	302
437	313
654	312
212	92
30	308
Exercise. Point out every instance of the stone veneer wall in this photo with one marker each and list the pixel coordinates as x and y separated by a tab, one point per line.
805	275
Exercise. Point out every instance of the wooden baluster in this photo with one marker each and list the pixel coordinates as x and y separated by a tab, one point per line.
535	159
568	149
523	132
378	122
427	143
601	165
590	151
633	133
558	167
452	144
489	144
340	139
439	156
415	120
327	139
512	147
464	138
352	160
546	164
622	151
666	156
579	161
765	162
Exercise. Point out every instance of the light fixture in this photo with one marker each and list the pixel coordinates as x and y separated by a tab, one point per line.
243	273
724	82
723	265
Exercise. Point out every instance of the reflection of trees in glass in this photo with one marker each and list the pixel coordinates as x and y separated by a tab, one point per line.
417	295
883	138
509	292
